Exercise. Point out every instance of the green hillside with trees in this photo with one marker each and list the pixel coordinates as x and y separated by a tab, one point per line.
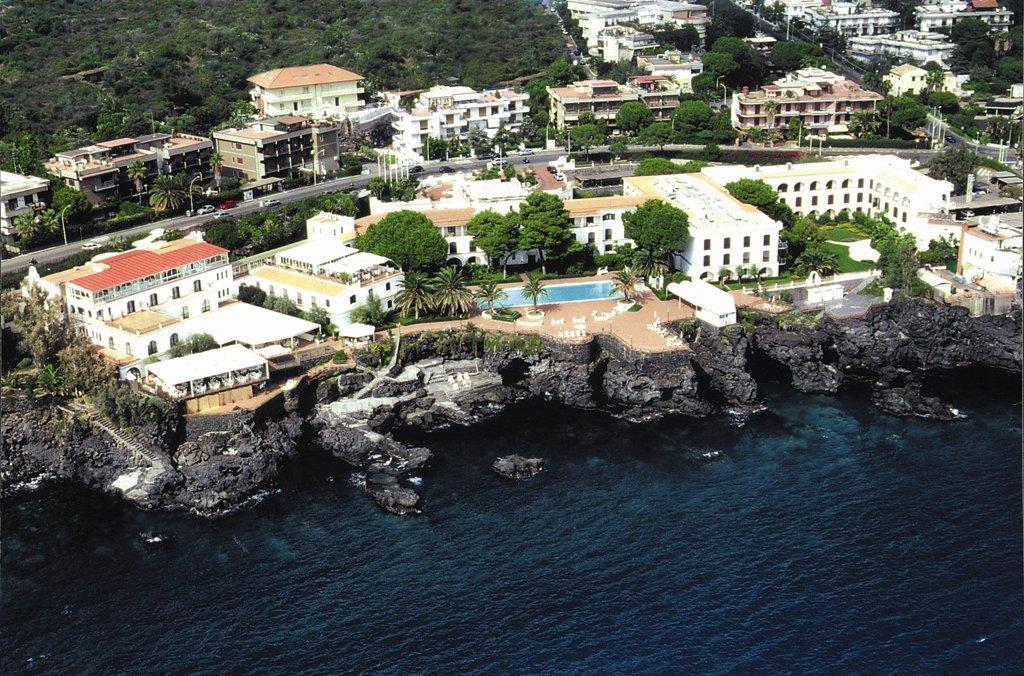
89	68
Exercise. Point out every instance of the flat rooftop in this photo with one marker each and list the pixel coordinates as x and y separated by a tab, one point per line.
142	322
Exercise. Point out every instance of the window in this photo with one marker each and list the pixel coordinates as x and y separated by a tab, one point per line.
797	187
707	245
831	199
128	349
814	185
390	303
152	299
175	293
608	217
607	234
151	349
846	199
767	240
814	201
184	313
799	201
327	302
298	298
197	285
110	342
860	182
174	339
387	287
206	306
727	242
746	241
452	248
725	259
746	256
707	261
765	256
830	185
783	187
591	238
351	300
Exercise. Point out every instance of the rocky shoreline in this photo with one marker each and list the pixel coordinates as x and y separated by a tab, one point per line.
463	378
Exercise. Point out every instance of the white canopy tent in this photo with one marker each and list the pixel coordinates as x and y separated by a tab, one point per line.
357	331
253	326
711	304
186	376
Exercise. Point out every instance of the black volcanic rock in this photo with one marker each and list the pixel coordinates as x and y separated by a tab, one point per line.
908	401
518	467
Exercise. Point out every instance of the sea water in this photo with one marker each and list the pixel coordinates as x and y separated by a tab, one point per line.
829	538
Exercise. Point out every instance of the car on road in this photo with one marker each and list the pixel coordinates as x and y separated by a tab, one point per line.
91	246
205	209
526	151
270	202
485	155
227	204
416	170
221	214
445	170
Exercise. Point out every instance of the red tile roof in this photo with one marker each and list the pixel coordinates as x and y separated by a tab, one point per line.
984	4
139	263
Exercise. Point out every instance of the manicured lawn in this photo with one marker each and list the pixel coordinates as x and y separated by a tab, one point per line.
847	264
843	233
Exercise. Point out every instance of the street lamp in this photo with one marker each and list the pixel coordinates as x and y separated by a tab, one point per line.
319	153
725	90
62	228
191	200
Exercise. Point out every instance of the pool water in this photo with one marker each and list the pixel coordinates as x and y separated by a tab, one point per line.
562	293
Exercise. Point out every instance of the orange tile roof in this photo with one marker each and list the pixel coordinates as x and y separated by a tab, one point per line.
139	263
298	76
439	217
594	205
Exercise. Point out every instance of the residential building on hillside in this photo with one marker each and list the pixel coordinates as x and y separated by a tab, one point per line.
452	112
622	43
909	79
941	15
594	16
19	194
724	232
602	98
658	92
917	46
762	43
682	68
821	100
852	19
878	185
318	91
100	170
795	9
276	146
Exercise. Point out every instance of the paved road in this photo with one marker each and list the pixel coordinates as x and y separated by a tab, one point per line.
980	148
58	253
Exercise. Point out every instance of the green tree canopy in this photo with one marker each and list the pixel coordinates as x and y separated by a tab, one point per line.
496	234
656	166
657	227
633	116
954	164
656	134
408	238
546	226
789	55
692	117
759	194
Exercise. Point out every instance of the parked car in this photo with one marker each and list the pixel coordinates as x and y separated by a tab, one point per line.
205	209
486	155
221	214
446	170
91	246
270	202
227	204
526	151
416	170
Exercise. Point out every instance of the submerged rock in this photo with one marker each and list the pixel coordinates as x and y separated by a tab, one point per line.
518	467
908	401
381	484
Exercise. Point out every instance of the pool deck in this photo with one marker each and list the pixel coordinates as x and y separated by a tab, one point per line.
631	328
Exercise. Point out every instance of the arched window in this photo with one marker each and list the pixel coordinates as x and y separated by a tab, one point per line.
814	185
846	183
783	187
797	187
830	185
152	347
174	339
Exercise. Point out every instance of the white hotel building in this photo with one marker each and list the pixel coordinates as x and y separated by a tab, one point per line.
941	15
852	19
724	232
19	194
452	112
595	15
917	46
874	184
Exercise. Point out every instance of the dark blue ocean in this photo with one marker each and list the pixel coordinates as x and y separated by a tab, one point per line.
830	539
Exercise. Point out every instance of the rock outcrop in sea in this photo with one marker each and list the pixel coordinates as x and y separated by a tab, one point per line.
215	465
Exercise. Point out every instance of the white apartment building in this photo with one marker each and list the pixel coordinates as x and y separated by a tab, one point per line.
622	43
874	184
724	232
452	112
328	274
682	68
319	91
917	46
852	19
943	14
139	303
909	79
19	194
795	9
602	98
594	16
991	248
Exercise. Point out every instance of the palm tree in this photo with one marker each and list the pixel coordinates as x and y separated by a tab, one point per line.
816	259
371	312
49	381
865	123
534	290
415	294
167	193
216	162
625	282
137	173
451	297
724	275
32	226
885	107
771	107
647	265
934	80
489	294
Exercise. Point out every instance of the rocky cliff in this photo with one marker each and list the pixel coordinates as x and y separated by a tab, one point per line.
463	377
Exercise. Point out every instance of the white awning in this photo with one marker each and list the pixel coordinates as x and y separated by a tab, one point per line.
357	331
251	325
205	365
700	294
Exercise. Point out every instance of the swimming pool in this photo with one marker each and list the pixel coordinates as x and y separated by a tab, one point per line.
561	293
